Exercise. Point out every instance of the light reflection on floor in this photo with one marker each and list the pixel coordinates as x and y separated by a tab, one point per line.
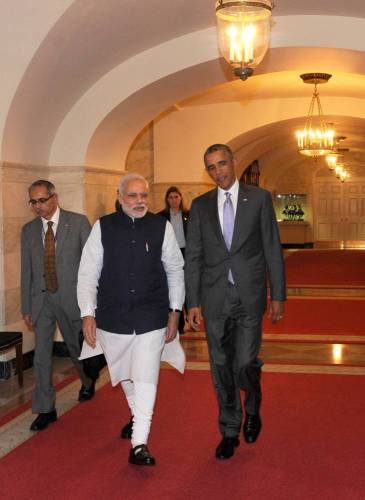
310	353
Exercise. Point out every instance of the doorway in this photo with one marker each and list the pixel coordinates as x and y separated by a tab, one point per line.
339	210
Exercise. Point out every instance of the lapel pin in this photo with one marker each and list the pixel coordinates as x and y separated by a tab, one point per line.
244	199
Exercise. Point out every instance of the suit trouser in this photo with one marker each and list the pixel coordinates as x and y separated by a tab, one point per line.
234	341
44	394
181	324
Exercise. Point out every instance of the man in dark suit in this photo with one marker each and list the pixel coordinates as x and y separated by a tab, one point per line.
51	247
232	246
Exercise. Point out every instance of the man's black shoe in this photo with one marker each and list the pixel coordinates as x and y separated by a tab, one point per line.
42	421
126	432
139	455
226	447
251	428
87	393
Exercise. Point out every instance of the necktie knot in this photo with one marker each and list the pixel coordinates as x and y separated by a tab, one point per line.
50	224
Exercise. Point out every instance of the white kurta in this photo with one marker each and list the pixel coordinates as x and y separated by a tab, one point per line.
118	353
118	348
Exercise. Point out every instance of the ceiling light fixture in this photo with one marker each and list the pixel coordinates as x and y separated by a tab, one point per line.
316	139
336	156
344	175
341	173
332	160
243	33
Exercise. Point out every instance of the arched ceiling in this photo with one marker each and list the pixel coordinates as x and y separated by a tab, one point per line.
92	38
275	145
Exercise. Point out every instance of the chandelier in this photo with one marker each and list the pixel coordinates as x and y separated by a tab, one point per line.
332	160
335	157
243	33
335	160
340	172
316	139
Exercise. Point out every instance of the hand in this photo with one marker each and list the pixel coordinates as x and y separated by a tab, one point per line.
275	311
28	320
172	325
194	318
89	330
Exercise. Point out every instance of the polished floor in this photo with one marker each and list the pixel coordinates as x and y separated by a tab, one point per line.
305	356
292	353
293	357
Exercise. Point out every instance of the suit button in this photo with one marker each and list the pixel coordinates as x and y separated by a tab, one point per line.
43	291
132	291
131	275
133	241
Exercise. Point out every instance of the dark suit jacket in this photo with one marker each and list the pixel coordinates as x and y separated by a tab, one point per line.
185	216
255	253
72	233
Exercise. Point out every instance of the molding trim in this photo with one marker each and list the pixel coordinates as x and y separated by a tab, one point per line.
109	171
170	183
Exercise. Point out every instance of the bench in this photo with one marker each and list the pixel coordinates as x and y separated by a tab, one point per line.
8	340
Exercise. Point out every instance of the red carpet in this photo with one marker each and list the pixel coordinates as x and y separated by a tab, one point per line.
20	409
320	317
333	268
311	447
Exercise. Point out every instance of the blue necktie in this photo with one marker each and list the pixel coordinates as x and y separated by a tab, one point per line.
228	225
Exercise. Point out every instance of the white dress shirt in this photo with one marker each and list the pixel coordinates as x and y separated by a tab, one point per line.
55	219
222	198
92	262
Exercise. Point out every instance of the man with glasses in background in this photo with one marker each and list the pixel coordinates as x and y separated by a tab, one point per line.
51	247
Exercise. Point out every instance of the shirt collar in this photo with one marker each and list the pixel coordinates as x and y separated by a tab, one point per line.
55	219
233	190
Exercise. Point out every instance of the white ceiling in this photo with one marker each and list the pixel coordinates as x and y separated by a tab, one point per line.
92	37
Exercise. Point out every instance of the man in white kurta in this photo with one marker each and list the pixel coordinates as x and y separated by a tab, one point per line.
130	293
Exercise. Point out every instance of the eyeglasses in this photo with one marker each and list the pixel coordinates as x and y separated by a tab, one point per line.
40	200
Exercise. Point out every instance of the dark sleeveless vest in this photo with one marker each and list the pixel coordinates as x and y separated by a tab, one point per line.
132	293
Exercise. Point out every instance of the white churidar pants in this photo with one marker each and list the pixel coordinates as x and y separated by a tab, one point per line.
134	360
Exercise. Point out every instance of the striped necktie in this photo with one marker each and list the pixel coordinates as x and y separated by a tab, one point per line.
50	273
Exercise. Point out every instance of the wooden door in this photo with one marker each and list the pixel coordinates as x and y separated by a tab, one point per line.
354	210
339	210
328	211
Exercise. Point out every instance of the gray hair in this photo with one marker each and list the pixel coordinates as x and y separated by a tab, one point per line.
43	183
128	178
